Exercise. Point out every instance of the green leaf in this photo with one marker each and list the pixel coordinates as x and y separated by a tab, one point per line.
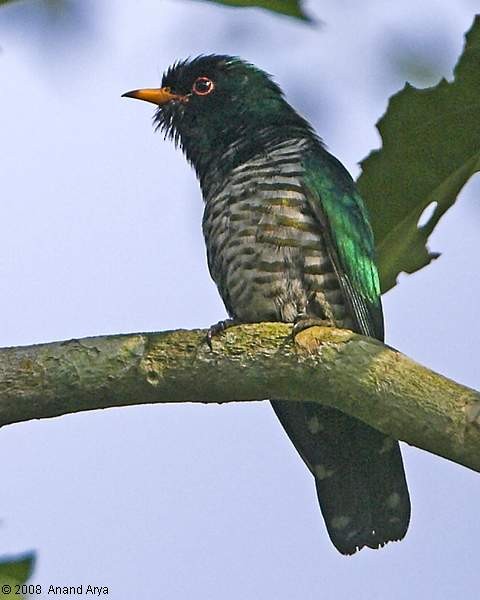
15	571
431	148
291	8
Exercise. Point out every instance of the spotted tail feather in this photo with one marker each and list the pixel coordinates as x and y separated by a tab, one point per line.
358	472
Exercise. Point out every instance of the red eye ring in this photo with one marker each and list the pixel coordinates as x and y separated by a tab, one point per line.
203	86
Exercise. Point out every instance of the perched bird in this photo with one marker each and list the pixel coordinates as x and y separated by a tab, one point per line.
288	239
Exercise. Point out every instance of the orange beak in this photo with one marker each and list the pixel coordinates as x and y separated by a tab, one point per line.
159	96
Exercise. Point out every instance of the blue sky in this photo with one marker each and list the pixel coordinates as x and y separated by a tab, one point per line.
100	233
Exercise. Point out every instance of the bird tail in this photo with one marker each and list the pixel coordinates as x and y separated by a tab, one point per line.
358	472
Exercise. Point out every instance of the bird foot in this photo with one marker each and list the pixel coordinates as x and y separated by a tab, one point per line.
303	322
218	328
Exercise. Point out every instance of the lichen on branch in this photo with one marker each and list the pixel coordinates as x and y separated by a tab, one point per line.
360	376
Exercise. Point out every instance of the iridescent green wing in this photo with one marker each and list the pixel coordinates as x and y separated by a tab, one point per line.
340	210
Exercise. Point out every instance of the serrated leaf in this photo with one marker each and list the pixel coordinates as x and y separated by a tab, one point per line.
291	8
430	149
16	570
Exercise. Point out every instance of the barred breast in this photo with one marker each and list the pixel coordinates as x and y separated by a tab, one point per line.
266	250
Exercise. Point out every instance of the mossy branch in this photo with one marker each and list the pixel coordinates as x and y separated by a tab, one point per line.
358	375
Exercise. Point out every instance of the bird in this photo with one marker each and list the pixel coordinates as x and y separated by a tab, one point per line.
288	239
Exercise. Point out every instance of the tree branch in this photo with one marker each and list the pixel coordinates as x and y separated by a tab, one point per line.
358	375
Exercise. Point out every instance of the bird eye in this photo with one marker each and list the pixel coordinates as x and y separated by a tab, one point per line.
203	86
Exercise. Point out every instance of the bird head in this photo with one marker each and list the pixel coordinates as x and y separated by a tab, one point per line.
212	104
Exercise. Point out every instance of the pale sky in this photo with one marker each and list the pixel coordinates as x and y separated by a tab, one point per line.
100	233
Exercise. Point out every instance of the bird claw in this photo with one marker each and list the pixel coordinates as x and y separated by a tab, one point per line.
303	322
216	329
